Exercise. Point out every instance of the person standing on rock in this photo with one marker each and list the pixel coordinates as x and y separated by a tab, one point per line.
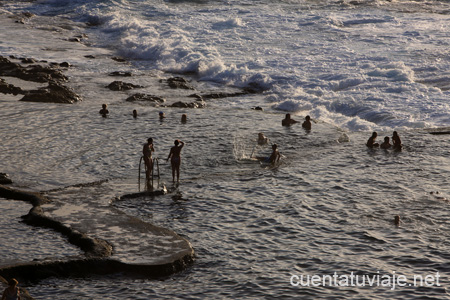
147	153
175	157
12	291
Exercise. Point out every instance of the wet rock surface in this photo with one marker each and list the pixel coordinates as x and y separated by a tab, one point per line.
4	179
120	74
122	86
145	97
196	104
7	88
179	83
34	72
112	242
53	93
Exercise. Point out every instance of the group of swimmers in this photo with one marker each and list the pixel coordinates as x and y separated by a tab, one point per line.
275	155
396	142
104	112
174	154
288	121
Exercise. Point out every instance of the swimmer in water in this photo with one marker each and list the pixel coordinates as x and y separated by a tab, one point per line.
307	123
386	145
104	111
274	156
162	116
371	141
147	153
397	220
262	140
183	118
396	141
287	121
134	113
175	157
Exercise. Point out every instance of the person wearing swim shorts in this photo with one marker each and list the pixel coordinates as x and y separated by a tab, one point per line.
147	153
175	159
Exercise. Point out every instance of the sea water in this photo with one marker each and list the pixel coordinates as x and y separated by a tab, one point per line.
353	66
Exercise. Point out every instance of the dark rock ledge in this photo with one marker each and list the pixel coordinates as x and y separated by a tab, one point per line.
51	74
98	254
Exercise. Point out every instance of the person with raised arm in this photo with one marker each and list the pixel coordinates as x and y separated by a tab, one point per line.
175	159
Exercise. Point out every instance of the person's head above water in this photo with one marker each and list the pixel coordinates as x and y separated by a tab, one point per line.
374	134
307	118
104	105
150	140
288	116
176	142
397	220
274	146
386	139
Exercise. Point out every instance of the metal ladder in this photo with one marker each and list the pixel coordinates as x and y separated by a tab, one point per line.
152	173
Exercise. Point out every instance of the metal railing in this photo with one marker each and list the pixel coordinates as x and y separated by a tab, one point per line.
152	173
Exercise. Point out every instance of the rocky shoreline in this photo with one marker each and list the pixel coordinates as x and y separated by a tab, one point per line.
97	252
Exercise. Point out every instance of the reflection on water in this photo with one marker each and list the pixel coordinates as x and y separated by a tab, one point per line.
328	207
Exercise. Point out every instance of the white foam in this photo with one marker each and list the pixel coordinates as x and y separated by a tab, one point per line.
367	64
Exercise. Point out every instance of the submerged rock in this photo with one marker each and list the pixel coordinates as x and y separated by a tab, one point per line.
122	86
182	104
144	97
120	73
179	83
53	93
223	95
118	59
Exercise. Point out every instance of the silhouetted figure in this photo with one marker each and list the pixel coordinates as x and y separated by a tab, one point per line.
371	141
12	291
397	143
147	153
386	144
397	220
175	159
287	121
104	111
307	123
